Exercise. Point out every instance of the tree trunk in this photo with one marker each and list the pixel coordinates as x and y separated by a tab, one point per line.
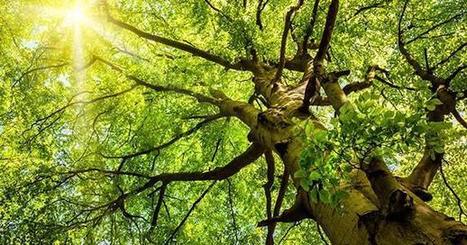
360	221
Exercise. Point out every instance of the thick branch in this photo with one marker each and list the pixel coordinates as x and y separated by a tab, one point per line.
259	10
250	155
313	85
328	29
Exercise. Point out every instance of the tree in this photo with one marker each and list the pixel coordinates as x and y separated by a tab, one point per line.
119	118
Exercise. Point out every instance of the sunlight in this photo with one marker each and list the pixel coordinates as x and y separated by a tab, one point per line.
75	15
76	18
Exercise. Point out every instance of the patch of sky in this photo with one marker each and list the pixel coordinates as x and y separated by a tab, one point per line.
30	44
64	79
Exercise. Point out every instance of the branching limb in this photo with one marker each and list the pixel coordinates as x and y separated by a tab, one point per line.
285	33
259	10
160	88
457	71
173	43
24	74
313	86
378	4
453	18
250	155
327	33
310	28
452	54
171	141
458	200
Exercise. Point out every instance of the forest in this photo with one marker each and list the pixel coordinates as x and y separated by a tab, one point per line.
233	122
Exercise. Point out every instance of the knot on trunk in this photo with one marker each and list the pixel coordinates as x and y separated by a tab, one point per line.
371	222
400	206
273	118
422	193
456	235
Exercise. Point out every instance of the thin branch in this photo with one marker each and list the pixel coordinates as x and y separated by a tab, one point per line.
106	172
157	209
160	88
435	27
217	10
232	212
285	33
457	71
310	28
371	6
267	191
452	54
173	43
171	141
282	191
458	199
459	118
189	213
38	69
422	73
288	231
259	10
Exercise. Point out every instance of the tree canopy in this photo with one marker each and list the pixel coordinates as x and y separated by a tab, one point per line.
231	122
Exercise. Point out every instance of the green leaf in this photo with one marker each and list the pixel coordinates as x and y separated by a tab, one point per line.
325	196
300	174
313	194
315	175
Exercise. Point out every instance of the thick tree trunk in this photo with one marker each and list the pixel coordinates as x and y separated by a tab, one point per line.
379	209
360	221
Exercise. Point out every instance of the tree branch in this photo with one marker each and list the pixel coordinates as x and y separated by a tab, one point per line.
267	191
424	74
313	83
174	44
250	155
160	88
459	118
452	54
189	213
259	10
171	141
285	33
310	28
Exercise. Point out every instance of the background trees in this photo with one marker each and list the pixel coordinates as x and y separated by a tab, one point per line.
101	100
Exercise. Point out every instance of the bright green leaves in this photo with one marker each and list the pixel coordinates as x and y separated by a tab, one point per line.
370	128
321	167
362	129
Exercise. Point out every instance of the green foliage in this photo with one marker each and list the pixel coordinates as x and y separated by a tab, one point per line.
41	49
